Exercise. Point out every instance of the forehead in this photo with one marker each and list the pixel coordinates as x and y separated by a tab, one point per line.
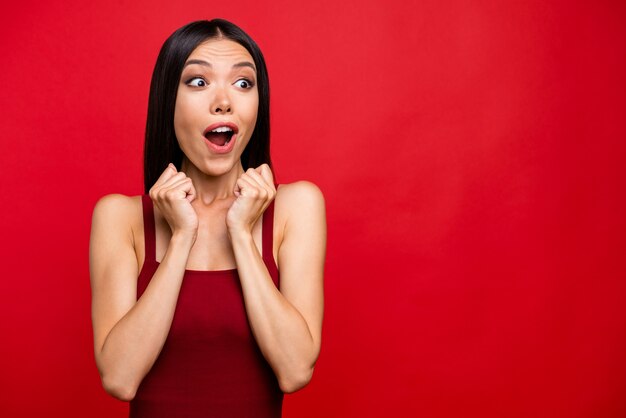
216	50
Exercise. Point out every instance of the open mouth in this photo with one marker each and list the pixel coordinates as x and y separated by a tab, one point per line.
220	136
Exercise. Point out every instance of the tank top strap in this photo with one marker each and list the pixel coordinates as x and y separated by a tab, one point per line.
148	229
268	227
268	233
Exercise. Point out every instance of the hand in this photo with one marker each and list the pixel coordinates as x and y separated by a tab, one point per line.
254	190
172	194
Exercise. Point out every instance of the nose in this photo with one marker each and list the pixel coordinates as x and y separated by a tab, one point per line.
221	102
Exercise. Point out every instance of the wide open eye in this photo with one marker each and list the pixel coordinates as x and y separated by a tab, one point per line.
247	84
197	78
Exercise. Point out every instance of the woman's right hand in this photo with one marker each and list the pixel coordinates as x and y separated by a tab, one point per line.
172	194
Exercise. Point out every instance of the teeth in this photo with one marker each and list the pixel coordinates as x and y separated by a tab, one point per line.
222	129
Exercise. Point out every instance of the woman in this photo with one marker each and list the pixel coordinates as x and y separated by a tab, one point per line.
189	313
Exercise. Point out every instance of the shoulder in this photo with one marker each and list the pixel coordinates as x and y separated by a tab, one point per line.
118	211
116	205
303	195
298	202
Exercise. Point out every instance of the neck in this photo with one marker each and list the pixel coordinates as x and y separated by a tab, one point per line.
212	188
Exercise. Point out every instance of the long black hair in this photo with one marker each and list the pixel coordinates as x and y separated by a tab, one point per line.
161	146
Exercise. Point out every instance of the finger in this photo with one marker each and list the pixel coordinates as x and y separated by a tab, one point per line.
174	179
265	188
266	172
169	171
181	184
187	186
175	194
246	188
191	195
256	178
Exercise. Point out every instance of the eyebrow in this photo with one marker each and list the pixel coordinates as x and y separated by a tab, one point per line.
208	64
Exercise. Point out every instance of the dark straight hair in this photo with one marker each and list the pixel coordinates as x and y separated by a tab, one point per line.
161	146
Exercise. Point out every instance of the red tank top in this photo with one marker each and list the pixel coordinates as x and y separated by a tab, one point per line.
210	364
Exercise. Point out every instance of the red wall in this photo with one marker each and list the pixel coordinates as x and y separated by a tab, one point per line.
472	159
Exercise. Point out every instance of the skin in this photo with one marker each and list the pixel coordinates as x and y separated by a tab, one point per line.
208	217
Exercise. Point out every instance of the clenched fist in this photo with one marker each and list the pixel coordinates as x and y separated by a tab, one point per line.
254	192
172	194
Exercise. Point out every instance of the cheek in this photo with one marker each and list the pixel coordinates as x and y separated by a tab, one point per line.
183	116
253	109
179	113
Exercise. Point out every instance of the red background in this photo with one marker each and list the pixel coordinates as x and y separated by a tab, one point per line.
472	159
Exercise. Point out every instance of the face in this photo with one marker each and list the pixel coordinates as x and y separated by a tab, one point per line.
218	84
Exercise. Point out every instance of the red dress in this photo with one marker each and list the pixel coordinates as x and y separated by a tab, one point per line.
210	364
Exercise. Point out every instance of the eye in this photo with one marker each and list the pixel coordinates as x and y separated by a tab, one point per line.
197	78
247	83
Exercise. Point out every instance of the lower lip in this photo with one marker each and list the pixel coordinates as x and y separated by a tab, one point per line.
224	149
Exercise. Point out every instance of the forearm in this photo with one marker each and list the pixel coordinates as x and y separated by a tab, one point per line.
135	342
279	329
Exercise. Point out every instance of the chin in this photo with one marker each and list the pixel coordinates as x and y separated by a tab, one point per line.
218	168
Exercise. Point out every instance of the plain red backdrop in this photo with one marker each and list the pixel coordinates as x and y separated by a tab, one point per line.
472	159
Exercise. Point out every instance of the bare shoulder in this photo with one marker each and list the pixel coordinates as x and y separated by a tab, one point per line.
303	195
300	214
120	212
116	204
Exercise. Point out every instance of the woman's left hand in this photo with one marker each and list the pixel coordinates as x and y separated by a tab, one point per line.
254	190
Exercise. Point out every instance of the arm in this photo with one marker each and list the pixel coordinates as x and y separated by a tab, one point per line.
287	324
129	333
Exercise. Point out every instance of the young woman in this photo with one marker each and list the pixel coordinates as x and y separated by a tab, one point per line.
190	314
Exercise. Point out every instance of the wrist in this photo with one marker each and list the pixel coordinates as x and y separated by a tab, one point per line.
239	231
185	239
